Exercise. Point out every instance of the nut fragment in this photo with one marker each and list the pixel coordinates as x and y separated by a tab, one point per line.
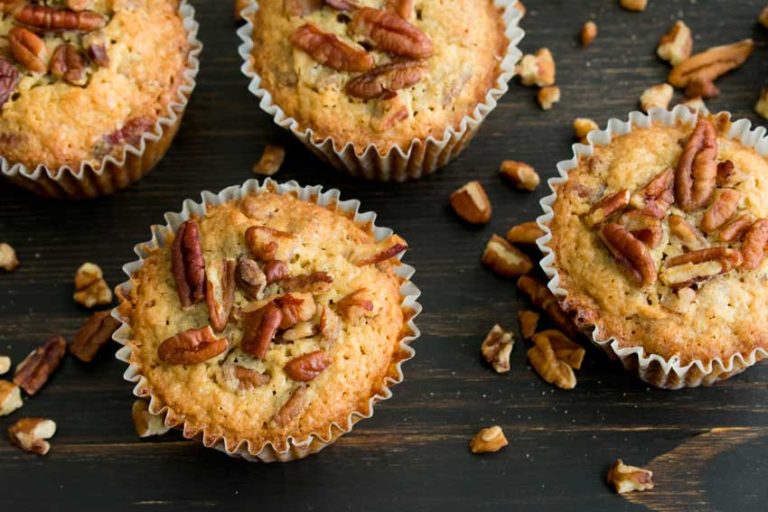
471	203
624	478
690	236
330	325
656	196
529	321
10	398
5	364
8	259
488	440
755	241
721	210
275	270
701	88
548	96
93	335
390	33
193	346
505	259
77	5
675	46
48	18
763	17
300	331
520	175
497	347
725	173
696	105
259	330
270	161
634	5
657	96
542	298
270	244
565	350
696	173
252	279
145	423
700	265
588	33
382	251
220	291
543	360
9	77
187	264
33	372
68	64
525	233
313	282
31	434
582	126
644	227
90	287
296	308
537	69
383	81
356	305
329	50
387	112
630	252
736	228
761	107
97	52
28	49
709	65
249	379
292	407
607	206
308	366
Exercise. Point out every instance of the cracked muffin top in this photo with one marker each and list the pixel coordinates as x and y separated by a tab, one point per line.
660	239
81	78
267	318
383	72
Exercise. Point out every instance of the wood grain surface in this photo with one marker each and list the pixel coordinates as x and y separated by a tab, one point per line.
708	447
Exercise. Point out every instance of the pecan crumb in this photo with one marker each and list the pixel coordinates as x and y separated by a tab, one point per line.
657	96
90	287
582	126
10	398
471	203
497	347
525	233
145	423
588	33
488	440
271	160
542	298
520	175
634	5
623	478
505	259
8	259
675	46
548	96
31	434
529	321
537	69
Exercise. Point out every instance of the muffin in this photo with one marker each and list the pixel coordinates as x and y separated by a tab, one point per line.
268	323
658	237
92	91
385	89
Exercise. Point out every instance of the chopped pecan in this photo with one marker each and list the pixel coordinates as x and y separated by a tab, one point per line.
390	33
220	291
755	241
193	346
356	305
342	5
387	112
300	331
696	173
548	96
537	69
725	173
582	126
505	259
520	175
298	7
68	64
708	66
31	434
271	160
656	96
626	479
529	321
329	50
696	266
251	278
644	227
8	259
736	228
690	236
550	368
10	398
525	233
700	88
630	252
403	8
9	77
49	18
308	366
29	49
187	264
634	5
721	210
250	378
471	203
270	244
383	81
275	270
145	423
296	308
5	364
565	350
131	132
90	287
656	196
607	206
97	52
488	440
383	251
314	282
292	407
542	298
588	33
33	372
93	335
695	105
330	325
675	46
497	347
259	330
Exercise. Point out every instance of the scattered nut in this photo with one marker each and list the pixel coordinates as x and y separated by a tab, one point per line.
505	259
10	397
384	81
145	423
249	379
582	126
525	233
761	107
634	5
93	335
656	196
565	350
270	161
5	364
548	96
542	298
33	372
90	287
8	259
537	69
529	321
657	96
471	203
31	434
543	360
297	308
704	68
497	347
588	33
625	478
520	175
675	46
763	17
488	440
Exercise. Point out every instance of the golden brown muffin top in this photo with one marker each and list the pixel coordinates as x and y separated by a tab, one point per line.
660	237
267	318
79	79
383	72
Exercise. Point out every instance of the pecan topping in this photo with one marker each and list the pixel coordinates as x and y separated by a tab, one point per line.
708	66
656	196
497	347
385	250
542	298
49	18
755	241
260	328
292	407
68	64
356	305
564	349
630	252
270	244
488	440
342	5
721	210
300	331
529	321
296	308
251	278
383	81
131	131
33	372
697	169
307	367
607	206
98	54
299	7
31	434
275	270
188	265
390	33
725	171
330	326
94	334
193	346
644	227
329	50
688	234
735	229
314	282
250	378
220	291
90	287
696	266
28	49
9	77
624	478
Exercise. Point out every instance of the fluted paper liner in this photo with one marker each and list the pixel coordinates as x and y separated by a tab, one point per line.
297	448
652	368
423	156
116	173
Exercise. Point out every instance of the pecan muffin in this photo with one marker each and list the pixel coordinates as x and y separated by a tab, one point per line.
376	75
659	242
82	80
268	321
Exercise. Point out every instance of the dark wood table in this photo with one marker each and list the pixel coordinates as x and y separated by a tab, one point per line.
708	446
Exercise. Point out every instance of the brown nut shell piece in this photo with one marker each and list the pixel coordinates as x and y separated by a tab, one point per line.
390	33
193	346
329	50
308	366
33	372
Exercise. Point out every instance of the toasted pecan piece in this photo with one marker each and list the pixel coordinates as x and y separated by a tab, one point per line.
329	50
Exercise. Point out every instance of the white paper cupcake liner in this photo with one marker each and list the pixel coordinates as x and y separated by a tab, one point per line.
652	368
116	173
423	156
297	448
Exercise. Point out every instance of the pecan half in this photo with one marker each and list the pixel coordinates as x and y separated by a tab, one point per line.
93	335
193	346
656	196
275	270
33	372
690	236
220	291
292	407
296	308
383	251
329	50
390	33
251	278
314	282
259	330
644	227
356	305
31	434
755	241
9	77
624	478
28	49
68	64
630	252
270	244
308	366
49	18
721	210
696	266
384	81
708	66
187	264
696	173
488	440
607	206
250	379
497	347
736	228
542	298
